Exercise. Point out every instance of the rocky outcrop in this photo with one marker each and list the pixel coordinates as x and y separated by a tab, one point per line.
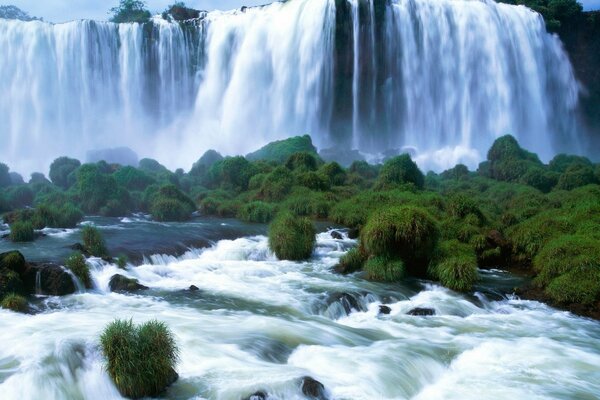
50	280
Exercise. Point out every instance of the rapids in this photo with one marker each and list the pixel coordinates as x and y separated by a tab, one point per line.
441	77
262	324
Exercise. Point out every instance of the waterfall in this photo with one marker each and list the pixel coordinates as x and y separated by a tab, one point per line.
38	283
444	77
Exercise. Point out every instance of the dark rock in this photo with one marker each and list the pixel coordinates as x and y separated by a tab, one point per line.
313	389
421	312
193	288
336	235
180	13
260	395
353	233
78	247
347	300
53	279
120	283
383	309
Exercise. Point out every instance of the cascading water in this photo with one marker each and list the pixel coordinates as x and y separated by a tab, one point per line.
443	76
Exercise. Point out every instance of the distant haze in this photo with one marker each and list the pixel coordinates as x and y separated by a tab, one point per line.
67	10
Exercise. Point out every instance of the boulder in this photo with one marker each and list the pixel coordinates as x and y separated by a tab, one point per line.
14	261
193	288
336	235
49	279
421	312
120	283
383	309
313	389
260	395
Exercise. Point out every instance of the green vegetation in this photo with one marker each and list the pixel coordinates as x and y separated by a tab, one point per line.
385	269
93	242
140	359
76	263
15	302
400	170
455	265
281	150
292	238
130	11
22	232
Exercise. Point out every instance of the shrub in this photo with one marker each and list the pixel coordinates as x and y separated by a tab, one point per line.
575	176
133	178
461	205
406	232
334	173
76	263
460	171
95	188
540	179
60	171
257	211
10	282
130	11
276	185
385	269
93	242
291	238
400	170
165	209
231	173
312	180
561	162
15	302
13	261
22	232
352	261
455	266
207	160
302	161
279	151
363	169
5	180
122	261
508	161
140	359
19	196
579	285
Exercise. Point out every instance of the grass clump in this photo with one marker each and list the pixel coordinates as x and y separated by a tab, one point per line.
405	232
352	261
93	242
384	269
400	170
15	302
579	285
22	232
291	237
257	211
76	263
141	359
455	266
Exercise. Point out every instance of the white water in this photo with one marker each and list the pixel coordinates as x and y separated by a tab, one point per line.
261	324
446	77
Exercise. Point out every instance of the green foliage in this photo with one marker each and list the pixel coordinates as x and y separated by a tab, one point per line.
257	211
169	203
96	188
540	179
460	171
280	151
352	261
364	169
400	170
10	282
334	173
579	285
22	232
130	11
461	205
231	173
122	261
455	266
5	180
76	263
406	232
575	176
276	185
303	161
15	302
303	202
140	359
133	178
312	180
508	161
208	159
64	216
19	196
61	170
292	238
13	261
385	269
561	162
93	242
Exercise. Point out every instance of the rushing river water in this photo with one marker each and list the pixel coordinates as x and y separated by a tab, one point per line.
262	324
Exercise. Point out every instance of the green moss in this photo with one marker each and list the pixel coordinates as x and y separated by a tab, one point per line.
406	232
76	263
140	359
93	242
291	238
384	269
257	211
15	302
22	232
280	151
400	170
455	266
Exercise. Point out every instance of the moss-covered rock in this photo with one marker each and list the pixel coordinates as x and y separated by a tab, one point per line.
291	237
15	302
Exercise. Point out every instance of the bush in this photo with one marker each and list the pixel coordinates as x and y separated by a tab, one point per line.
384	269
352	261
279	151
19	196
579	285
93	242
130	11
400	170
208	159
133	178
508	161
276	185
302	161
140	359
257	211
363	169
60	171
576	176
15	302
461	205
165	209
455	266
96	188
312	180
334	173
406	232
5	180
540	179
22	232
460	171
76	263
291	238
13	261
561	162
231	173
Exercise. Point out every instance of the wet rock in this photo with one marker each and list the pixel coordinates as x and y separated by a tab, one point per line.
181	13
353	233
383	309
193	288
336	235
421	312
313	389
78	247
14	261
348	301
120	283
53	280
260	395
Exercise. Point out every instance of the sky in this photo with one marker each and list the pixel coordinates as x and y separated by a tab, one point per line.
66	10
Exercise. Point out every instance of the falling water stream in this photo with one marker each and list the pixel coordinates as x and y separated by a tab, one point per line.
260	324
